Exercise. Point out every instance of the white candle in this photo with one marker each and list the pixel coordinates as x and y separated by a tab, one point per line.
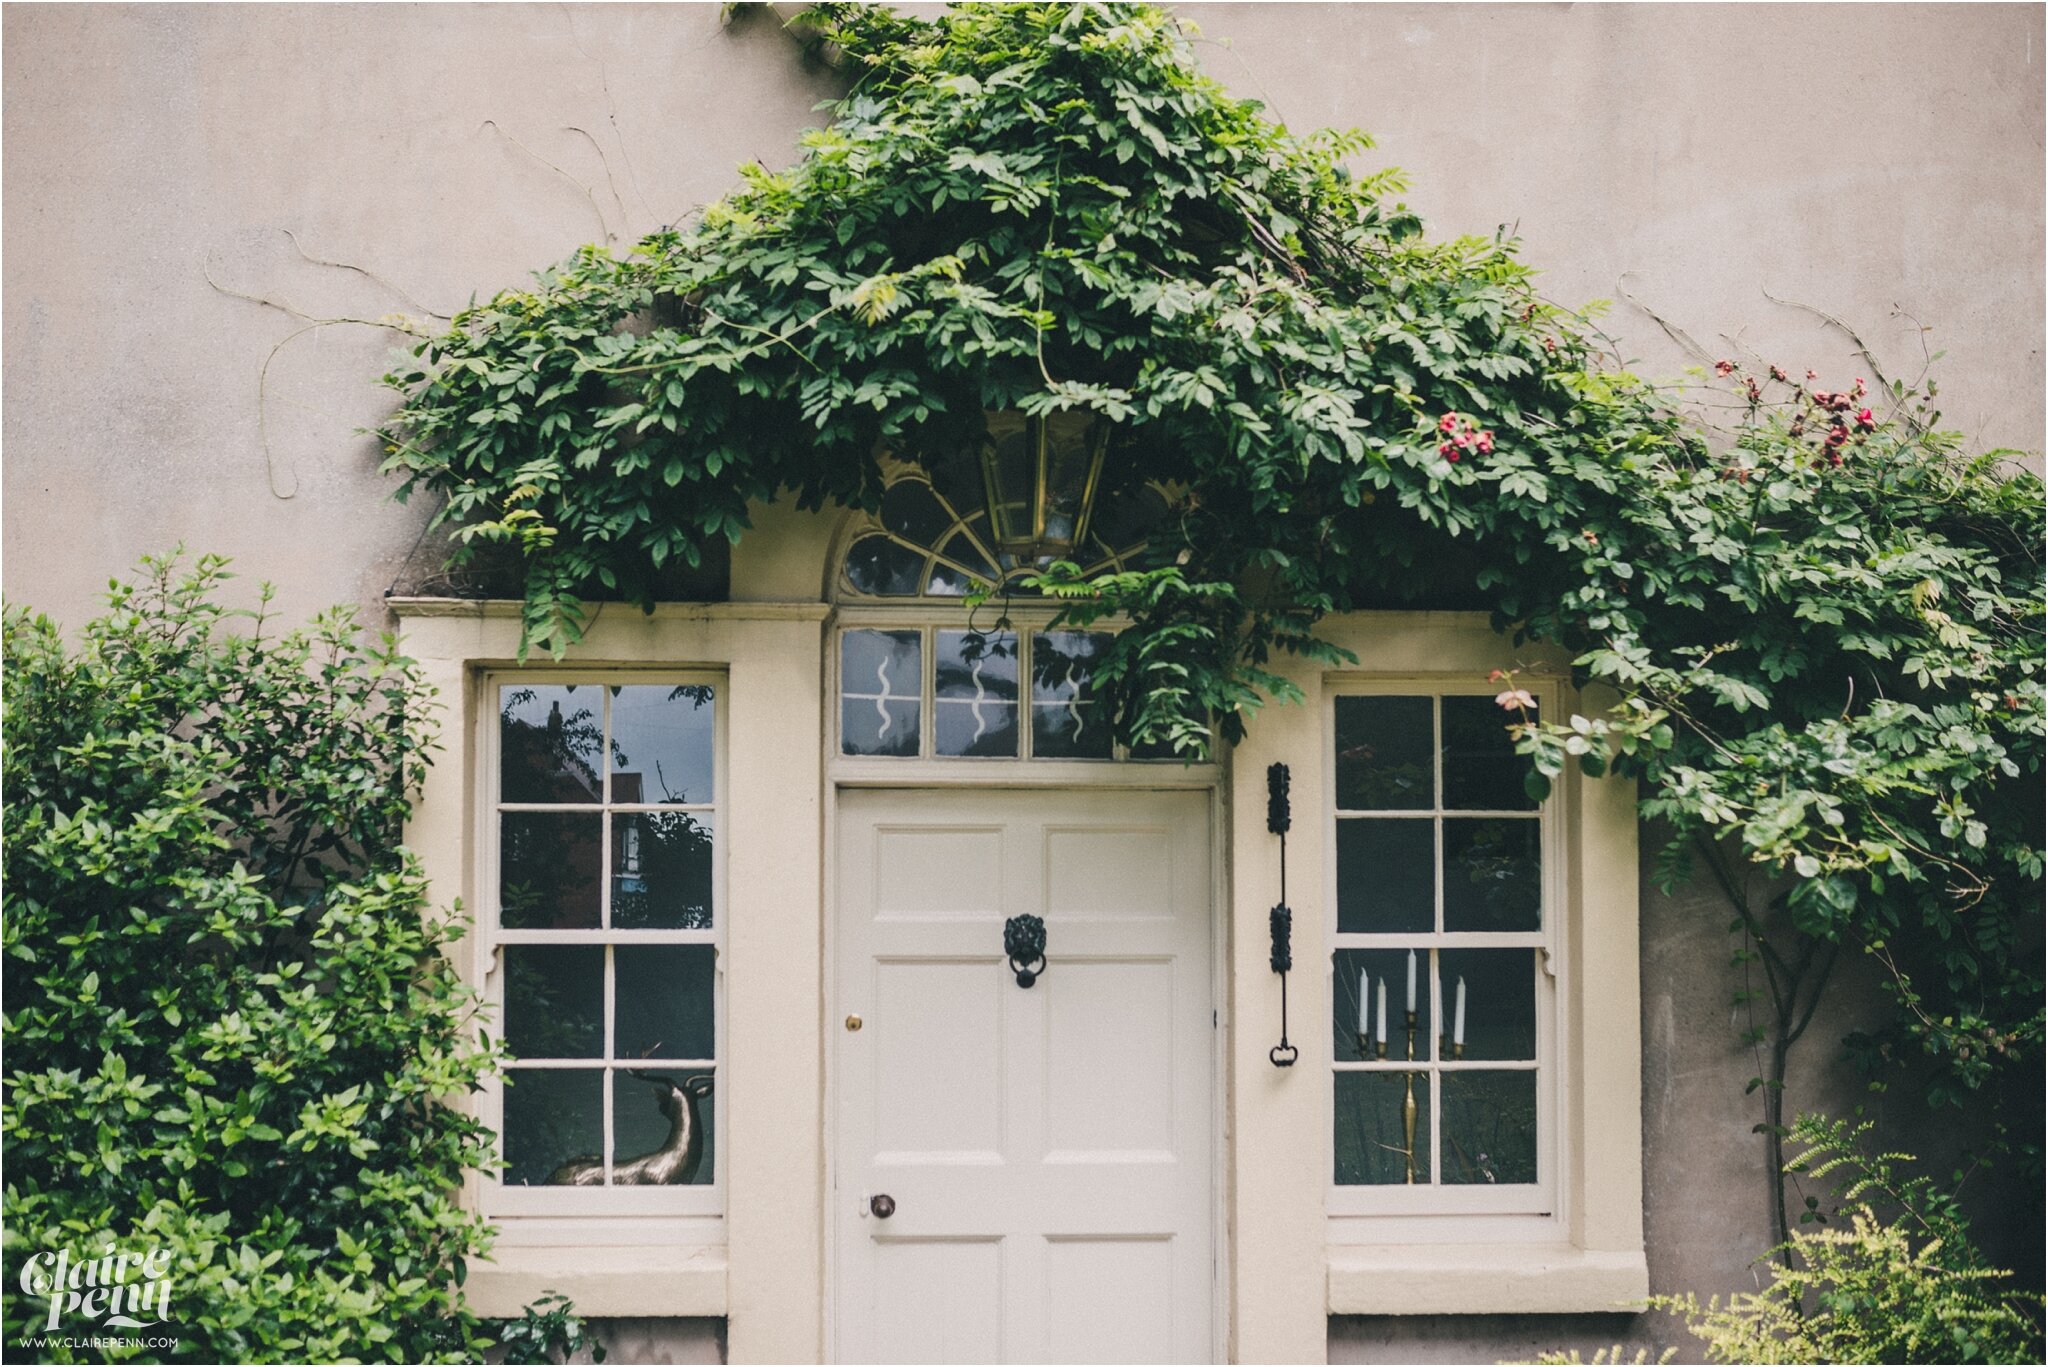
1364	999
1383	1010
1411	982
1458	1026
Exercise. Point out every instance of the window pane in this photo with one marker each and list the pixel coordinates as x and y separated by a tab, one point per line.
1500	1001
1063	664
1386	875
1489	1127
910	510
1380	968
554	1001
977	664
882	567
1384	752
1072	730
1371	1140
551	742
664	1001
881	678
947	582
976	729
662	743
554	1117
661	870
1493	875
661	1140
976	688
548	870
1481	769
874	727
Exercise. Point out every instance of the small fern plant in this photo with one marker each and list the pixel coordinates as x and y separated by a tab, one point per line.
1891	1277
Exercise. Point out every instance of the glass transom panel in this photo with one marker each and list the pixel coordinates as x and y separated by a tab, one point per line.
954	693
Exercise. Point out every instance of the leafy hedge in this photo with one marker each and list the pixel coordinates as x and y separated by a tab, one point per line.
1821	617
229	1029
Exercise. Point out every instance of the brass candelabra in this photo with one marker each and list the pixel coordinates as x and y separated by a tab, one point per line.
1369	1048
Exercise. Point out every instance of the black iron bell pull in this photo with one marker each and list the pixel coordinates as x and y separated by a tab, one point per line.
1281	919
1024	942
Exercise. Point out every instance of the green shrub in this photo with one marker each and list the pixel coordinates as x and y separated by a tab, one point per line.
550	1331
230	1030
1894	1278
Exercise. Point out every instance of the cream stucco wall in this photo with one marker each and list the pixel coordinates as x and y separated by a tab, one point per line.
1879	164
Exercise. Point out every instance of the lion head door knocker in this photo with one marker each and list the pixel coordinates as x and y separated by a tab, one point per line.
1024	942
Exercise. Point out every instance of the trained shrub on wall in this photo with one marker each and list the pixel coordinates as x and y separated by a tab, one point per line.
1818	616
230	1031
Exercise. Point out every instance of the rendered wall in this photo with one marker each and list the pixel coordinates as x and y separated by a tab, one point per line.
1879	164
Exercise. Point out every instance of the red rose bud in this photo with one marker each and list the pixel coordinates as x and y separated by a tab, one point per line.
1724	368
1864	418
1447	423
1778	374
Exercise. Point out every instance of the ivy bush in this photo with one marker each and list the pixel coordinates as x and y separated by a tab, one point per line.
1818	618
229	1028
1892	1277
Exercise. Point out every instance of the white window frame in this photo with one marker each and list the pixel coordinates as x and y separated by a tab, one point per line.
497	1200
1425	1212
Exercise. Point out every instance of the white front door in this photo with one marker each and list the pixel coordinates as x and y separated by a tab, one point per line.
1047	1149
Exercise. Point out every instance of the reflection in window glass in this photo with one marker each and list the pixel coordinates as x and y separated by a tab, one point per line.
1482	772
1067	722
881	679
1371	1139
1385	750
664	1001
1489	1127
975	694
662	737
913	512
884	567
551	742
554	1000
548	866
1493	875
554	1118
1386	875
661	870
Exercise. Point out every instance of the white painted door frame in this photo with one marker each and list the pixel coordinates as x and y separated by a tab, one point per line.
1127	792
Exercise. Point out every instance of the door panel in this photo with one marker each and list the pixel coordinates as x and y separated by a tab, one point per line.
1048	1149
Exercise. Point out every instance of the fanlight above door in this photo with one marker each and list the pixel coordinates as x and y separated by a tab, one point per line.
931	537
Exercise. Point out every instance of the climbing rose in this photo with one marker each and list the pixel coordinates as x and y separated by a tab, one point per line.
1515	697
1864	418
1724	368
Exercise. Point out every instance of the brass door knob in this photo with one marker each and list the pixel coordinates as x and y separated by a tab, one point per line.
853	1022
882	1206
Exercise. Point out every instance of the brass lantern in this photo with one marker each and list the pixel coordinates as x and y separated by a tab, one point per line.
1041	474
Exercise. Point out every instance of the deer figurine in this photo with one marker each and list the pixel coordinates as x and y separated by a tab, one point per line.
675	1163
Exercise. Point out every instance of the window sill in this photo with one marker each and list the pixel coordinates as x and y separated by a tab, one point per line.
1482	1279
612	1280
